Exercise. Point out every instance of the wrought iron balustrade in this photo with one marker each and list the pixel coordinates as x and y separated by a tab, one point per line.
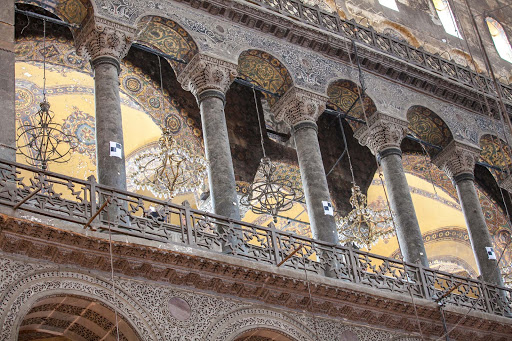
384	43
47	194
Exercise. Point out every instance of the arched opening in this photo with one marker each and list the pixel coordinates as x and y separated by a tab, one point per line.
67	317
263	334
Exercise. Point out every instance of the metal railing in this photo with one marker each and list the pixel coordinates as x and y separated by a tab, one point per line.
384	43
47	194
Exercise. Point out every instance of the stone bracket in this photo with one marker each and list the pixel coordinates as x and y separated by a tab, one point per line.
382	132
457	158
298	105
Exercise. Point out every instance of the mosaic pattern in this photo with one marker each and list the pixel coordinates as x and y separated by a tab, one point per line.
71	11
167	36
495	152
344	96
264	70
61	57
429	127
82	125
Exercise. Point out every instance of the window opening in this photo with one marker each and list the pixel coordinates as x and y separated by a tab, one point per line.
389	4
447	18
500	39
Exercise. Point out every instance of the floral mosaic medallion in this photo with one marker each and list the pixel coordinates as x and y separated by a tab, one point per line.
173	123
81	125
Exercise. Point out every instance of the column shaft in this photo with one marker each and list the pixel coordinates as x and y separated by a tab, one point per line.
109	127
7	87
477	227
220	165
408	230
314	181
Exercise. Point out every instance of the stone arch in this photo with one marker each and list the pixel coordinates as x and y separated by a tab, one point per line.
74	317
429	127
262	334
236	323
265	70
344	96
70	11
496	152
21	296
167	36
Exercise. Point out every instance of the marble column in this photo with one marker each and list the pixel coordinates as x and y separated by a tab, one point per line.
7	89
458	161
106	46
383	135
208	79
300	109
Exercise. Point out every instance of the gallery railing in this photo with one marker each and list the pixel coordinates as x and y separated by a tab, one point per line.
384	43
38	194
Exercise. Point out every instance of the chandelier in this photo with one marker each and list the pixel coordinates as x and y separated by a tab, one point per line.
44	141
363	226
169	169
269	193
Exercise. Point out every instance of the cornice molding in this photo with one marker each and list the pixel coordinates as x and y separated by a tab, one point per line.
244	279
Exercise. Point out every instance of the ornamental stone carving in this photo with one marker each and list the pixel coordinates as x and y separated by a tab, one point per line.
101	38
299	105
457	158
506	184
382	132
204	72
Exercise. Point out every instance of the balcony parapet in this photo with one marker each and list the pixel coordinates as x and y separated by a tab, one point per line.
53	198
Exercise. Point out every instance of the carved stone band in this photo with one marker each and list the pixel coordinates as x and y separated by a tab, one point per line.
506	183
106	60
388	151
305	125
204	73
298	105
457	159
382	132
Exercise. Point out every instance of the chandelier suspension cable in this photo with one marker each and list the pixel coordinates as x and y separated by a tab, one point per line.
259	122
361	99
44	59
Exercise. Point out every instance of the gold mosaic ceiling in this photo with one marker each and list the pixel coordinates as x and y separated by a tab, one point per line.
71	11
344	96
429	127
495	152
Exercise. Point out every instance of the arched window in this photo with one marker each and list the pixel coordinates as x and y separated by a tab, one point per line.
500	39
389	3
447	18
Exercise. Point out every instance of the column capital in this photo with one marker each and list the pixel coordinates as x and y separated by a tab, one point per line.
100	39
457	160
208	74
298	105
382	132
506	183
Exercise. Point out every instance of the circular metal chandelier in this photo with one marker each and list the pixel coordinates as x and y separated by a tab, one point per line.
169	169
363	226
269	193
44	141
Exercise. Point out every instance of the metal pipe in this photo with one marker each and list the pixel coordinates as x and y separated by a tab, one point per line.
289	256
27	198
46	18
88	224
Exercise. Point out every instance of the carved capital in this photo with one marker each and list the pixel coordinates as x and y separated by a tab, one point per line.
382	132
457	159
506	183
101	38
299	105
204	73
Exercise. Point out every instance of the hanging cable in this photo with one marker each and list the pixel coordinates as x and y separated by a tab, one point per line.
112	274
259	122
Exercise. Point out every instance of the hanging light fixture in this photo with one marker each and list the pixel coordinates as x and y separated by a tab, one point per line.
169	169
269	193
362	226
44	141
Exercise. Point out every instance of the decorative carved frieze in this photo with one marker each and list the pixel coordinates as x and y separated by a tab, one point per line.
101	38
457	158
506	183
204	72
382	132
298	105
